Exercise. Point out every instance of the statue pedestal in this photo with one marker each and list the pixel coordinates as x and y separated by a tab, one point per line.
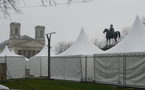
107	47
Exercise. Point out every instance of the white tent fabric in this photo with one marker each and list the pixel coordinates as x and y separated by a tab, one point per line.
66	68
82	46
13	51
44	52
15	64
6	51
124	63
120	69
39	63
79	55
133	42
26	60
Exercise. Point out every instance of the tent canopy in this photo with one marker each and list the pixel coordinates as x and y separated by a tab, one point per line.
134	41
7	52
44	52
82	46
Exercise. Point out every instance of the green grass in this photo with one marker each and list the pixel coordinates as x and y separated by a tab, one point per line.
44	84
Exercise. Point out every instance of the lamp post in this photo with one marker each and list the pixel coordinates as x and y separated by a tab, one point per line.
49	39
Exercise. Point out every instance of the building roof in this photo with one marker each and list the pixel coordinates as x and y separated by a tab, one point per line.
26	37
6	42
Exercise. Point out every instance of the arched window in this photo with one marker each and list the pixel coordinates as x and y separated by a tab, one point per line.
41	33
16	30
36	34
11	31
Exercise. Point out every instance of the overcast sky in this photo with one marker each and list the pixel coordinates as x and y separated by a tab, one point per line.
67	20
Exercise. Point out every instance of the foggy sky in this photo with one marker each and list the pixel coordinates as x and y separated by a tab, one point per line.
67	20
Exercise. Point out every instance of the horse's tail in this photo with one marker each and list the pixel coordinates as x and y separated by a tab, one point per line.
118	34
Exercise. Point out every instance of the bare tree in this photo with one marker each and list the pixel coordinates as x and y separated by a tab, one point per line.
143	20
7	5
99	43
62	46
124	32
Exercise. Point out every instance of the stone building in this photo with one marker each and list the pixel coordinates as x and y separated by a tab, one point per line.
24	45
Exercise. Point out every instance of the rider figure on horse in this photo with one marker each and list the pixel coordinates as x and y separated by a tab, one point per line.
111	31
111	34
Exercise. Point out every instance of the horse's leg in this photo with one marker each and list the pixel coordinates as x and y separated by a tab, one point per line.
109	42
106	41
115	40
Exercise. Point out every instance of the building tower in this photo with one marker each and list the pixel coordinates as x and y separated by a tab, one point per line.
15	30
40	34
14	33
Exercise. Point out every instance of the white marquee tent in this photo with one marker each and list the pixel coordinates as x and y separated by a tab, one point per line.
39	63
124	63
134	41
76	63
15	64
82	46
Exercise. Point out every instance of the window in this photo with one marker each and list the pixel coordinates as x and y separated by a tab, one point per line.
38	51
29	53
24	53
16	31
11	31
33	53
36	34
41	33
19	52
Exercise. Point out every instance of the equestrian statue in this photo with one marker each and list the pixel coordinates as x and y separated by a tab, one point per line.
111	34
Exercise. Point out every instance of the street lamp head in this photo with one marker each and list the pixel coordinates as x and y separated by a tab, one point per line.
51	33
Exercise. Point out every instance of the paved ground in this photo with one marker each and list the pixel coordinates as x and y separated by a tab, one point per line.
27	74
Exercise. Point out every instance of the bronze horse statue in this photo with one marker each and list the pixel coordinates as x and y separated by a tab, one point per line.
113	35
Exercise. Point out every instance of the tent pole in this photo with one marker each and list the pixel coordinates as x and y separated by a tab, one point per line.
5	58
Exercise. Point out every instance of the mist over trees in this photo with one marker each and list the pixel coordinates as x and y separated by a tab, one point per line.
62	46
124	32
143	20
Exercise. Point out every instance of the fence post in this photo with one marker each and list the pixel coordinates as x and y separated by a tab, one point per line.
81	69
40	67
94	68
3	71
124	70
86	68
